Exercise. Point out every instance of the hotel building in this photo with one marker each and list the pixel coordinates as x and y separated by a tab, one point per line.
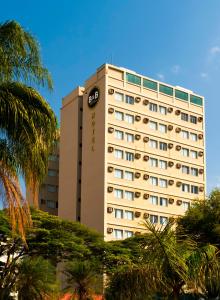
130	148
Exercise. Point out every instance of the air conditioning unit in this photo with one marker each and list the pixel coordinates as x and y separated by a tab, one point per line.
111	110
109	210
111	91
110	189
109	230
137	99
146	139
146	102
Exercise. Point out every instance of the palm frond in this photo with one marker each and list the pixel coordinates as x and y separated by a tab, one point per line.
20	56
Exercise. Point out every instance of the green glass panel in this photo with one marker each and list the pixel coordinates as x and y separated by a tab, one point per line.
166	90
150	84
196	100
181	95
133	78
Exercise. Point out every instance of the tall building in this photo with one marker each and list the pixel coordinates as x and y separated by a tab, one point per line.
130	148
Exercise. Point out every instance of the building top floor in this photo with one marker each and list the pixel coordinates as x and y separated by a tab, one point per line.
140	82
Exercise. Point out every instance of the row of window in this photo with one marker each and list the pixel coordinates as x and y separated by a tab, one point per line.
49	203
163	110
154	162
129	137
155	181
120	116
162	164
153	85
52	173
52	188
122	234
155	200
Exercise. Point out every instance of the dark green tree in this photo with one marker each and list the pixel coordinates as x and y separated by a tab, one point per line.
36	279
202	220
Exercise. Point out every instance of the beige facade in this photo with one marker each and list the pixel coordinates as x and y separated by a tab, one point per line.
138	153
48	191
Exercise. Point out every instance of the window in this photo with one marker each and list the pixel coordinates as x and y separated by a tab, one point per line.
184	134
118	173
119	97
149	84
184	117
118	234
163	220
153	107
118	154
193	119
185	187
51	188
194	172
129	156
128	234
185	152
129	99
153	125
186	205
196	100
153	219
52	173
129	175
163	146
128	215
51	204
153	144
185	170
193	154
162	128
153	162
53	157
133	78
129	195
163	183
118	213
163	201
119	134
129	118
166	90
118	193
154	200
162	164
119	116
154	180
162	110
181	95
194	189
129	137
193	137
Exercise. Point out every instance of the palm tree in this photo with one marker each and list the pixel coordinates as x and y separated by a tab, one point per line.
81	278
169	264
36	279
28	126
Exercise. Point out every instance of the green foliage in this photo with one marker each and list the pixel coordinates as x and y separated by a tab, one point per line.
202	220
28	126
20	56
82	277
36	279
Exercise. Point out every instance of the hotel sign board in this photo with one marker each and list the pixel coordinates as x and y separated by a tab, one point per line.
93	97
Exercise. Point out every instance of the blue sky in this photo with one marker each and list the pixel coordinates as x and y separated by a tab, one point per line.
174	41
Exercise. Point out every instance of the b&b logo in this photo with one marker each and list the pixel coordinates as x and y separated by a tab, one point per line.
93	97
